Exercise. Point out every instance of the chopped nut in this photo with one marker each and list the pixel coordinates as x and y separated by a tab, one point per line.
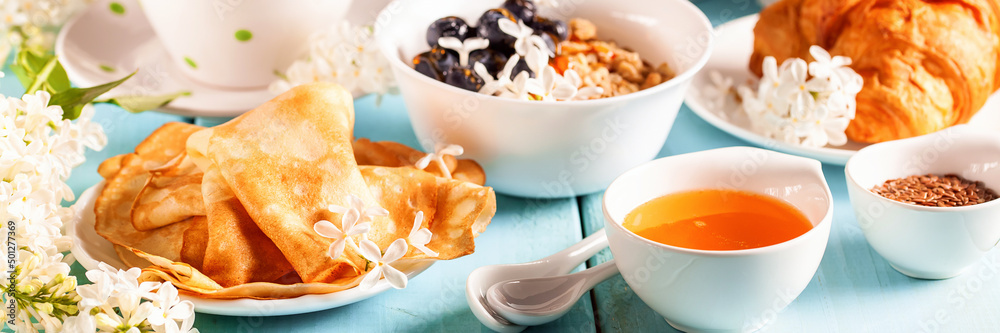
571	47
628	71
582	29
652	79
604	64
665	70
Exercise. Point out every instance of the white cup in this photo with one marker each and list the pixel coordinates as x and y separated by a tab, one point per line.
238	44
720	291
928	242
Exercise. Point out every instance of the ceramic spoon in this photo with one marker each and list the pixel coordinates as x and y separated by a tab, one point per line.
562	262
537	301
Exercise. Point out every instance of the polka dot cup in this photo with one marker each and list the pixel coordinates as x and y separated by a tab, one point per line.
238	44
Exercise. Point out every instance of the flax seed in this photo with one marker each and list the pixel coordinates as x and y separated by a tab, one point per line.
936	191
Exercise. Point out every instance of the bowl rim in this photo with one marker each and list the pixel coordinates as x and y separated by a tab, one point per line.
956	130
823	226
396	62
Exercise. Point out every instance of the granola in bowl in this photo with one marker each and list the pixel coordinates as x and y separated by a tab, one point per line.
515	53
604	64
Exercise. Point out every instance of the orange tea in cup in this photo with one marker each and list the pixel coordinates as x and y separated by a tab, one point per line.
716	219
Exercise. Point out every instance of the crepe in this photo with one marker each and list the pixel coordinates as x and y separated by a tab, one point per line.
262	181
125	176
170	195
394	154
455	212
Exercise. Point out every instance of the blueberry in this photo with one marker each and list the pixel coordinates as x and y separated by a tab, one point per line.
443	58
550	42
522	9
435	62
490	29
464	78
422	63
492	59
521	66
556	28
450	26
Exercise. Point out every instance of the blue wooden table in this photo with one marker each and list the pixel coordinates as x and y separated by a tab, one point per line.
854	290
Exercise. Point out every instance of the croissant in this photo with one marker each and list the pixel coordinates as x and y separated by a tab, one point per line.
927	65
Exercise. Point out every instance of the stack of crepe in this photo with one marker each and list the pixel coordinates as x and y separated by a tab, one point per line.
228	212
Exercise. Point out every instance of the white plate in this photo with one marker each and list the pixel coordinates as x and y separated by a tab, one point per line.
731	56
99	46
89	248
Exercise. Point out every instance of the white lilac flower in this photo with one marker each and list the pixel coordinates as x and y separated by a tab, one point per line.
98	292
770	78
355	220
464	48
552	86
81	323
823	130
132	317
809	104
327	229
536	59
365	213
793	86
520	87
420	236
492	85
581	93
524	35
718	91
823	65
12	14
343	54
382	263
45	294
440	150
168	309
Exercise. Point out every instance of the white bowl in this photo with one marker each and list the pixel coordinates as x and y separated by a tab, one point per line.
720	291
928	242
551	149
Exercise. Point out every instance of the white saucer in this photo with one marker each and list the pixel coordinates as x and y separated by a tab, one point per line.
100	46
731	54
89	248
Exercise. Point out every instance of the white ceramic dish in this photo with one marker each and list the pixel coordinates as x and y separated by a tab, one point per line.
89	248
928	242
720	291
100	46
733	47
551	149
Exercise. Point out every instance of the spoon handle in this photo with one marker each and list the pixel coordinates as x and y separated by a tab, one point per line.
567	259
599	273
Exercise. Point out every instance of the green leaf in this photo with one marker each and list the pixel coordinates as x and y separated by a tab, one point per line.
72	100
39	71
137	104
27	65
39	82
58	80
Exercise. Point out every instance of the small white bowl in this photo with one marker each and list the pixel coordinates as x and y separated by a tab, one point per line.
720	291
928	242
551	149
